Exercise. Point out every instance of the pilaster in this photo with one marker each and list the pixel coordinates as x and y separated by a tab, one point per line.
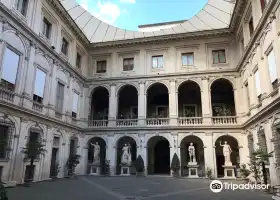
112	105
173	103
209	153
142	98
206	101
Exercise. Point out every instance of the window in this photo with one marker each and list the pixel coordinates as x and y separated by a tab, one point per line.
39	86
251	27
73	146
9	69
78	61
128	64
101	66
272	69
4	137
258	83
157	62
219	56
47	28
33	139
64	47
56	142
59	97
187	58
22	6
75	104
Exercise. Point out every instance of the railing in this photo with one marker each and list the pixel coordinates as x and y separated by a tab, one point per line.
126	122
157	121
7	95
98	123
183	121
276	192
224	120
37	106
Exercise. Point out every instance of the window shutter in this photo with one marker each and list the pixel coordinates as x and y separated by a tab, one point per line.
272	66
10	66
40	83
258	83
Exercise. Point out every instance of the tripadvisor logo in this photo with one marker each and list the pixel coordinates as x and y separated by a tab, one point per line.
216	186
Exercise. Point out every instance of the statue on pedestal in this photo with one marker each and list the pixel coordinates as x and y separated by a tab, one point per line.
191	150
96	153
126	155
226	151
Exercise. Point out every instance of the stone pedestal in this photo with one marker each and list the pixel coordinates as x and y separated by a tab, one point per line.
95	170
193	171
229	171
125	170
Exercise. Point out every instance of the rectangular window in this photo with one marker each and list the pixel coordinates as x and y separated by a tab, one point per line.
101	66
219	56
187	59
59	97
128	64
272	68
3	141
39	86
56	142
78	61
9	69
33	139
258	83
64	46
251	27
157	62
75	104
47	28
22	6
73	147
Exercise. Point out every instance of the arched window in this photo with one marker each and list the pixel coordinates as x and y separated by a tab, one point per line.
6	134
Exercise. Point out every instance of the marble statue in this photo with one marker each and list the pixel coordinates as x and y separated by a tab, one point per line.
226	151
191	150
126	155
96	153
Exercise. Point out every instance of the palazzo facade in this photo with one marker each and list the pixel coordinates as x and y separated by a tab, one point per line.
70	84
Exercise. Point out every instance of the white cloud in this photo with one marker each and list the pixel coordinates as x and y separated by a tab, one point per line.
84	6
107	12
128	1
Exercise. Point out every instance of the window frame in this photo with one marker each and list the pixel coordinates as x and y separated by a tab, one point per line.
64	39
47	34
37	98
219	59
97	71
56	100
19	7
187	55
157	58
78	65
127	59
73	113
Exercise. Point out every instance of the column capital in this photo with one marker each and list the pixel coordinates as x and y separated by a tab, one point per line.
113	84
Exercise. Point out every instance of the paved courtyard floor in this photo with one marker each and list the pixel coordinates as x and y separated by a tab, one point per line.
128	188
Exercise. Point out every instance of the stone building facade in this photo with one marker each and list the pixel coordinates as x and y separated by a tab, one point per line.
156	93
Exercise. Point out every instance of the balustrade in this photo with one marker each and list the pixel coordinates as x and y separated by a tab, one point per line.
98	123
7	95
127	122
37	106
183	121
224	120
157	121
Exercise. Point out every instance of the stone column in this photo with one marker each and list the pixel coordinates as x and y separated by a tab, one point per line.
28	76
69	101
173	103
142	104
48	156
209	153
112	105
111	154
143	151
206	101
175	148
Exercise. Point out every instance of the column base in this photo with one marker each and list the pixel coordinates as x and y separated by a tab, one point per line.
193	171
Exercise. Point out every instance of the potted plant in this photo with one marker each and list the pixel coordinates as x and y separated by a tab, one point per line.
175	166
209	173
33	150
3	192
72	163
139	166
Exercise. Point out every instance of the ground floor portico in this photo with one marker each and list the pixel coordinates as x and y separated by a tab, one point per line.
158	149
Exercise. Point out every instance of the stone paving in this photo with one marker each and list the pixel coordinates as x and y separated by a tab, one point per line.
128	188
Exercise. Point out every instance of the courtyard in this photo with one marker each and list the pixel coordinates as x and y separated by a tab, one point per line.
128	188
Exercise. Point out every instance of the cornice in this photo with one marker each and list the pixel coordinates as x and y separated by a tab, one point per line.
163	38
35	40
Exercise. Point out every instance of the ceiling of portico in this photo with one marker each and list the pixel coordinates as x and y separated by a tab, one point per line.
216	14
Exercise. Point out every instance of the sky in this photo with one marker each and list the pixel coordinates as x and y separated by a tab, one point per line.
128	14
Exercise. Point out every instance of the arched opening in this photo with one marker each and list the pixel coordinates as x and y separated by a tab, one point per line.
129	141
199	154
99	104
102	144
189	101
157	101
158	155
234	156
128	103
222	98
